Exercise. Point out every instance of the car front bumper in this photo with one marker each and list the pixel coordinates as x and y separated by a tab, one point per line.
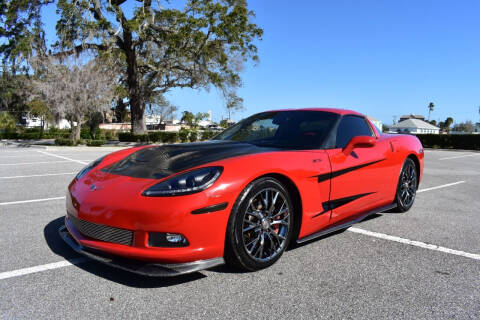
136	266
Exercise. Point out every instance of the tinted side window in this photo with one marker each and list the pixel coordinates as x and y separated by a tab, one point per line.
349	127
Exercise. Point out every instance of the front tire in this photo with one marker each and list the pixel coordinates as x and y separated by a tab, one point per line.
260	225
407	186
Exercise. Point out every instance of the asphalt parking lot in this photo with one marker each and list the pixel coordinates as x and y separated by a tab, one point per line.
423	264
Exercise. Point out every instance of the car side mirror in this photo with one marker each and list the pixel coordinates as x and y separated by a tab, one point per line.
359	142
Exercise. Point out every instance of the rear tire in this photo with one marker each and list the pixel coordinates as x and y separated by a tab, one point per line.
260	225
407	186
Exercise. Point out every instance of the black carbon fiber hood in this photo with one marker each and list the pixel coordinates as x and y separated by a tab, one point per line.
162	161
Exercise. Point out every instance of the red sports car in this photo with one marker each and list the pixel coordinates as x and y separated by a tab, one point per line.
242	197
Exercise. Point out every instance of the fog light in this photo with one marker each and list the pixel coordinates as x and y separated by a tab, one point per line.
160	239
175	238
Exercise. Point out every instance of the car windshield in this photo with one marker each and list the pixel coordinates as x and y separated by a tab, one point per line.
282	129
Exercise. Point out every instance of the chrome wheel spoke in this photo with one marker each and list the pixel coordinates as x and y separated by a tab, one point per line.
277	236
274	200
258	253
251	227
265	199
255	214
252	244
283	209
282	221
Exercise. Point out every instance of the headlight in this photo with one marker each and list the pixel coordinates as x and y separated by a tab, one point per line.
186	183
89	167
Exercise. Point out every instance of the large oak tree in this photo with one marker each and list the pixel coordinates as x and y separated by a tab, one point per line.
160	44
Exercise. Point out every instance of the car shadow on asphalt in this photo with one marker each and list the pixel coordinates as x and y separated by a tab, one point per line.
59	247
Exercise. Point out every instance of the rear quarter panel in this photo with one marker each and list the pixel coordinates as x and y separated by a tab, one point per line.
405	146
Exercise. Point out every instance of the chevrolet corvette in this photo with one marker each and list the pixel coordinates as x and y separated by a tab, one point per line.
272	179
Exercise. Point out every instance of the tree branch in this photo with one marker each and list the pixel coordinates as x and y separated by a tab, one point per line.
98	15
80	48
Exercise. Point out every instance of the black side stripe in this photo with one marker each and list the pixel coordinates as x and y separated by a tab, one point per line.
332	204
327	176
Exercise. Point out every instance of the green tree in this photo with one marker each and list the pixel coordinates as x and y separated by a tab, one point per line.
233	103
21	32
7	122
38	108
466	127
159	106
224	123
448	122
431	106
188	118
13	93
199	117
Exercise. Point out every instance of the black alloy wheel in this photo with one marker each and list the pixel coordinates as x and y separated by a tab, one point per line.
407	186
260	225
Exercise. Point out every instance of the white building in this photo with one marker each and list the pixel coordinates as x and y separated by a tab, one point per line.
376	123
31	121
414	126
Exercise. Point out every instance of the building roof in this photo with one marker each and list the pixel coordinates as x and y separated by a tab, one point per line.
415	123
412	116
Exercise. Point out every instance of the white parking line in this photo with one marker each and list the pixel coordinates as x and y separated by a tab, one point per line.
30	201
442	186
44	267
38	162
24	156
463	156
415	243
38	175
62	157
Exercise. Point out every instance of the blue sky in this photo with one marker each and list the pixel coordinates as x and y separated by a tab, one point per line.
382	58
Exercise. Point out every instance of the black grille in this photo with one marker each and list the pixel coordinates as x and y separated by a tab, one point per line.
101	232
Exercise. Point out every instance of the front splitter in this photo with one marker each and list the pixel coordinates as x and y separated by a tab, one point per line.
139	267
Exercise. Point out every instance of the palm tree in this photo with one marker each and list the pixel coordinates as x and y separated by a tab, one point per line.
448	123
430	109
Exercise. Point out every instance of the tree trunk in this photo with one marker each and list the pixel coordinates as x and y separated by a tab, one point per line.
42	123
137	102
76	130
120	110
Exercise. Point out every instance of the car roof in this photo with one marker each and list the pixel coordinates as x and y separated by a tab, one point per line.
332	110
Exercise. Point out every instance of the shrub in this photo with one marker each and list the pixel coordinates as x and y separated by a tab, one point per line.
7	121
95	143
124	136
183	135
451	141
207	134
29	135
57	133
85	133
155	136
193	136
110	134
9	135
130	137
170	137
64	142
